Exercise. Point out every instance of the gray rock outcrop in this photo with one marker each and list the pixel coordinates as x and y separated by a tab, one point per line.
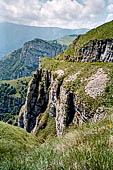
94	51
47	93
36	100
97	83
32	51
97	51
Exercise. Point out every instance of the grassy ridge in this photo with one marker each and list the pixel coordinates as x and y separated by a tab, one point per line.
100	33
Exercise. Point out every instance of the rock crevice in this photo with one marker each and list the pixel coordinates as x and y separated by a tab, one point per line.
97	51
94	51
36	100
47	93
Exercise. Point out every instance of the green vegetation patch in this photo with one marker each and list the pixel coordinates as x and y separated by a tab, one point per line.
89	146
13	93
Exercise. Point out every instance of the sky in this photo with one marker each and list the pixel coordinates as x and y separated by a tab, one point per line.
72	14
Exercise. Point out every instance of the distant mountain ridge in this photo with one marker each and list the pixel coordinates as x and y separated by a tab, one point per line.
13	36
66	40
24	61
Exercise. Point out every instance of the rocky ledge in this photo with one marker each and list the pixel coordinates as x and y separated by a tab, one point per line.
48	94
94	51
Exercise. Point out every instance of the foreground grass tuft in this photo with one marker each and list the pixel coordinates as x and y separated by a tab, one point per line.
86	147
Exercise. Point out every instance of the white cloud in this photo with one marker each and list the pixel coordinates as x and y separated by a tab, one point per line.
110	1
110	8
60	13
109	17
95	7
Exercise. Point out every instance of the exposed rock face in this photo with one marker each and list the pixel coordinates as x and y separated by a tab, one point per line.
97	83
97	51
56	82
36	100
47	93
24	61
73	77
33	50
64	111
94	51
100	113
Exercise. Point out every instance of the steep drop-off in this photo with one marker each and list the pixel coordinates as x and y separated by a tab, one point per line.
70	93
61	98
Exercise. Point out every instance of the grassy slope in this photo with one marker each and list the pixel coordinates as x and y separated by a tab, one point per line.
17	84
86	147
100	33
20	85
67	40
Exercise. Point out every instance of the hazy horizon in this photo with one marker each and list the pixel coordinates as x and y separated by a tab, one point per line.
42	26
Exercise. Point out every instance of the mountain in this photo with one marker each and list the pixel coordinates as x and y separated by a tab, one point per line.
13	36
68	111
95	45
21	63
24	61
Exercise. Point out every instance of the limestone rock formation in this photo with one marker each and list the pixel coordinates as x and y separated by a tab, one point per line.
97	83
36	100
47	94
24	61
97	50
94	51
75	92
32	51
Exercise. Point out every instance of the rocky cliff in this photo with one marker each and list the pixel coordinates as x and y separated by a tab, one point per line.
24	61
94	51
94	46
17	35
32	51
69	98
